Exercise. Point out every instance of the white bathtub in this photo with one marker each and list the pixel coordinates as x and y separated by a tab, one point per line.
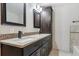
75	50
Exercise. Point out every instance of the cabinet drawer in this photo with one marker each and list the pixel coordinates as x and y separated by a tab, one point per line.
31	48
44	50
46	39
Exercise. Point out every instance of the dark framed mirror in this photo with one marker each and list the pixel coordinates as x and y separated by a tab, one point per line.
13	14
37	18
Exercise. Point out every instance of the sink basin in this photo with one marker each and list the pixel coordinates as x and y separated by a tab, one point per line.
23	39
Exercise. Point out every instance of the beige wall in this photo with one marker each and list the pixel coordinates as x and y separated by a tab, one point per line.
64	15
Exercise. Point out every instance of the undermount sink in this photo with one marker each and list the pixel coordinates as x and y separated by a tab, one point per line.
21	40
25	40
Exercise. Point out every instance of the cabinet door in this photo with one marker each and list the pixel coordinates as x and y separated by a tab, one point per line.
7	50
46	20
36	19
30	49
44	50
36	53
50	44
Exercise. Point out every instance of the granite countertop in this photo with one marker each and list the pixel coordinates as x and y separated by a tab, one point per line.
24	41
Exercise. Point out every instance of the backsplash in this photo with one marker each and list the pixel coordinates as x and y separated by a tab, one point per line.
15	35
7	36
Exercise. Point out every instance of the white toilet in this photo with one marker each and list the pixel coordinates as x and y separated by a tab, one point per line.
75	50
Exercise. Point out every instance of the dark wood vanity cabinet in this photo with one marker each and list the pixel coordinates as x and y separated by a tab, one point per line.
39	48
46	47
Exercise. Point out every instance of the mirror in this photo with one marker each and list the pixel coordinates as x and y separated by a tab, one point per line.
13	14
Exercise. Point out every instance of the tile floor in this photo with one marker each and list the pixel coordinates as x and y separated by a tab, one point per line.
62	53
55	52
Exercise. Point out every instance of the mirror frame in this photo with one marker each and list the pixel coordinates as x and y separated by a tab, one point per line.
3	16
34	18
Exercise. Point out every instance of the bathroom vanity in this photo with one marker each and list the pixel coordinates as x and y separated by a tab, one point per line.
32	45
